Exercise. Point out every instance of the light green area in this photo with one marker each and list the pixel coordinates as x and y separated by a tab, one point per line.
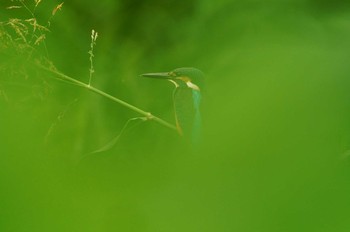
275	114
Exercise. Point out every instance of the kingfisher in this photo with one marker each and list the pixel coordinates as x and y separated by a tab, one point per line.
186	99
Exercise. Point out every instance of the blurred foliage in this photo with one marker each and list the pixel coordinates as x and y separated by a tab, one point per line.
275	118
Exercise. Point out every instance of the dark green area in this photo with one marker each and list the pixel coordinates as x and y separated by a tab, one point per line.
276	125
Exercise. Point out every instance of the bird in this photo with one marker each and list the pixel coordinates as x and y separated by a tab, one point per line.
187	99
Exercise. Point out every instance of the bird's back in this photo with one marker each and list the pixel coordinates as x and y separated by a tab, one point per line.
188	118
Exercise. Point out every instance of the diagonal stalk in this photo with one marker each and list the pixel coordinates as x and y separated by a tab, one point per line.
148	115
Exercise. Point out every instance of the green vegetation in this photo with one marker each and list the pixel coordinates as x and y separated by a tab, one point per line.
275	113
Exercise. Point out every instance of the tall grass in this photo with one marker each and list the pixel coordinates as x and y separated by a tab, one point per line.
24	40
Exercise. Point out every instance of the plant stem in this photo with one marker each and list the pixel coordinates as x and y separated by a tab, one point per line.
148	115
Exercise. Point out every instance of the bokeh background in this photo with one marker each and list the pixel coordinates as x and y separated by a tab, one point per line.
276	125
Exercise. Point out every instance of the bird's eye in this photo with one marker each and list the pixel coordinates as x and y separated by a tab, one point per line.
172	74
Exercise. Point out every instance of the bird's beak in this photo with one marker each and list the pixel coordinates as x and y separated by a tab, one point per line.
163	75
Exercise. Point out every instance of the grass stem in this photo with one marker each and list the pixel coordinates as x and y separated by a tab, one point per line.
148	115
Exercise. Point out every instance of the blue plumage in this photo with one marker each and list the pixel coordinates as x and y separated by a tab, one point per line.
187	99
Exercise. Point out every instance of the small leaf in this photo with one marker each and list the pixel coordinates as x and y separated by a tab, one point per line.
37	2
58	7
13	7
39	39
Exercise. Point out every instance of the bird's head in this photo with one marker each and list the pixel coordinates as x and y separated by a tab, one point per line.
182	77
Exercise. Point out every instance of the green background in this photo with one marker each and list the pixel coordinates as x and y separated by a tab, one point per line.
276	125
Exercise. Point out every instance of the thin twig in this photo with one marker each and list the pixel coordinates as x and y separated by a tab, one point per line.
112	142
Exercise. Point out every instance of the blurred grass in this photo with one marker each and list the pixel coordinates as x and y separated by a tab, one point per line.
275	109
